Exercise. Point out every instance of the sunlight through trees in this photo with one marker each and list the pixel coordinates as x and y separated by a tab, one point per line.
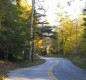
25	30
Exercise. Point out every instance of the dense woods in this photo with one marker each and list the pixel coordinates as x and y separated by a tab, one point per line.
26	33
14	29
67	39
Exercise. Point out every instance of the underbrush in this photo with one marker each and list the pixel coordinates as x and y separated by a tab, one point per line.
6	66
79	60
3	76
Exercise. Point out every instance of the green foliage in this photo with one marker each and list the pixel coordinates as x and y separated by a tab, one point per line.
14	31
54	45
65	44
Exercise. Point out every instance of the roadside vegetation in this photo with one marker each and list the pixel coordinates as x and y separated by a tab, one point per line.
79	61
70	41
6	66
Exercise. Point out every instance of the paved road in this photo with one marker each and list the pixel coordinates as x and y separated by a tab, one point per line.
52	69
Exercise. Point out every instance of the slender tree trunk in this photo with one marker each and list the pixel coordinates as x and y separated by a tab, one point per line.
31	32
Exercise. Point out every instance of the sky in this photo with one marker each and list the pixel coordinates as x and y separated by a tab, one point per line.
73	8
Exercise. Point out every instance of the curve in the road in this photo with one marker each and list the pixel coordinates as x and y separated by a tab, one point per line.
52	69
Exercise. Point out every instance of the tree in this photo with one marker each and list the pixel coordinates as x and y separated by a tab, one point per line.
15	30
84	23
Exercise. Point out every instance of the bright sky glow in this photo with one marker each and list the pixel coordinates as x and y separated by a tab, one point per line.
73	10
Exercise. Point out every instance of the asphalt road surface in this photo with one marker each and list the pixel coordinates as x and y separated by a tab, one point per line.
52	69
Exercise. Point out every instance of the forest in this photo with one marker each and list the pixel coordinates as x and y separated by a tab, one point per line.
19	41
